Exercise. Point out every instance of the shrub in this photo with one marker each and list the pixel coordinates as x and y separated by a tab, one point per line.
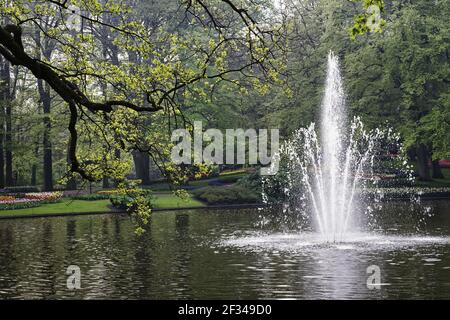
127	199
227	195
121	201
251	181
229	178
91	197
126	202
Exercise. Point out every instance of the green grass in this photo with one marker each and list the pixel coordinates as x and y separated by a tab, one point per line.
168	200
65	206
234	172
199	183
161	201
440	183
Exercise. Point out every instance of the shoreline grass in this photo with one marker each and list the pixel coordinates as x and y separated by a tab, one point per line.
162	200
66	205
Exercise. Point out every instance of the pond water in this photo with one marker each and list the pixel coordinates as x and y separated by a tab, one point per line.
223	255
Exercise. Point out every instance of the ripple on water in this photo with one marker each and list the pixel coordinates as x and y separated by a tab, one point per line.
312	242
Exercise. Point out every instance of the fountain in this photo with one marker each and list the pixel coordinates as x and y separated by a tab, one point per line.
328	221
331	170
335	162
327	171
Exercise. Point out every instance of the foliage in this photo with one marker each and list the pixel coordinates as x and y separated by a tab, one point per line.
137	202
91	197
226	195
368	21
400	77
230	178
146	71
251	181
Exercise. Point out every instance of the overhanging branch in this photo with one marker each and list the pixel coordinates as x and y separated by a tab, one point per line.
12	49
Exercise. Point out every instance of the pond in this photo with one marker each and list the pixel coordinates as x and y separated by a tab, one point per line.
207	254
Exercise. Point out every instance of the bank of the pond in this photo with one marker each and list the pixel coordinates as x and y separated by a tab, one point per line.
67	206
165	201
121	212
64	206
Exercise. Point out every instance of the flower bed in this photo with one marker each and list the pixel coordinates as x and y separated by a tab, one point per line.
28	200
91	197
18	204
46	197
7	198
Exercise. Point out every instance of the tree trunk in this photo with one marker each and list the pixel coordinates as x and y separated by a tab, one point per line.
2	124
44	92
72	182
6	177
110	50
423	158
117	157
46	100
6	78
34	166
2	162
436	169
33	175
105	183
142	166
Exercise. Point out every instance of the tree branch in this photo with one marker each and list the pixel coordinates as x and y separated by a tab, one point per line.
12	49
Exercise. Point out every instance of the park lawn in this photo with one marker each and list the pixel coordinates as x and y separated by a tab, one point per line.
64	206
163	200
437	182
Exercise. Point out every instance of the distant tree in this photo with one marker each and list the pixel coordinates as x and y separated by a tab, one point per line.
401	77
76	68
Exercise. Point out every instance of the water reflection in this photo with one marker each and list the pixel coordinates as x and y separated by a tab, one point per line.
192	255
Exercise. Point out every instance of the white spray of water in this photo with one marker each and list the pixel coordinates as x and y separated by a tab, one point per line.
331	169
